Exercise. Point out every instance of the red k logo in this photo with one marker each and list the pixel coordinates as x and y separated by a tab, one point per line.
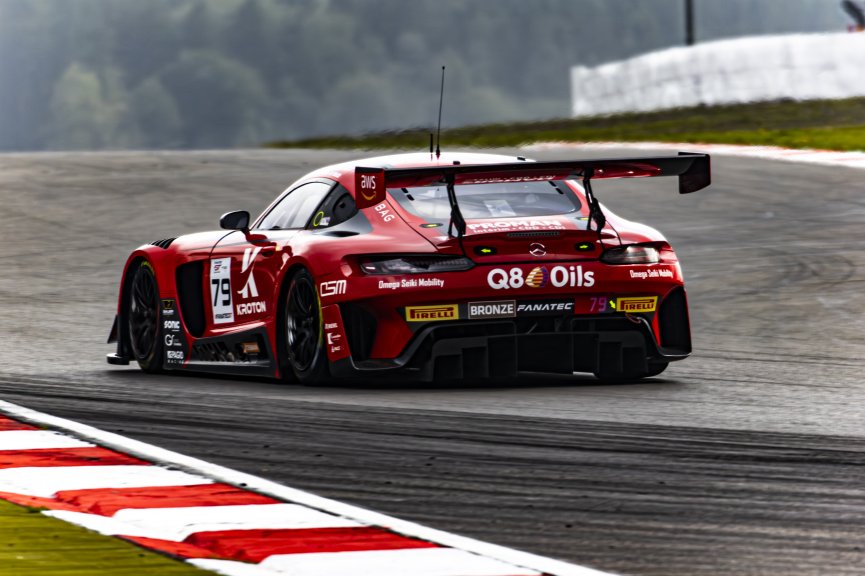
249	289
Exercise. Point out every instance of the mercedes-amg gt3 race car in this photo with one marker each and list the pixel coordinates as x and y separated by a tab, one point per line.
461	266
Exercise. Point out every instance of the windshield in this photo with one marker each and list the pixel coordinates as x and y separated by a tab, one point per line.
480	201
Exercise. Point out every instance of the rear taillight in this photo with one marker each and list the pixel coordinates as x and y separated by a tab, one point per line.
633	254
413	264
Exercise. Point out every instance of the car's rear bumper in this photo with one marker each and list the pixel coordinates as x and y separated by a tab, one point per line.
504	348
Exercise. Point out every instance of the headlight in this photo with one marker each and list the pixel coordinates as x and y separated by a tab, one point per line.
633	254
414	264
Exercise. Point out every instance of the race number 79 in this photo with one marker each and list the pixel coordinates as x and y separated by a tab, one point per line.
223	287
220	290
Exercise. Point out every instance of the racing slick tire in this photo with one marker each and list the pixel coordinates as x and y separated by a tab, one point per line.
143	316
301	342
657	368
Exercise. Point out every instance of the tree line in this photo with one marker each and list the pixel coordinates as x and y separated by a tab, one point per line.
119	74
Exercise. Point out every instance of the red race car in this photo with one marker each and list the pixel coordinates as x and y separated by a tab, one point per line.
463	266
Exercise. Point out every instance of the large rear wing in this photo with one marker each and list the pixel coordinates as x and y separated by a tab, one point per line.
693	171
371	184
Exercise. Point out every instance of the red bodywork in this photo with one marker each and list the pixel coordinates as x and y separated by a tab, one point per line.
388	327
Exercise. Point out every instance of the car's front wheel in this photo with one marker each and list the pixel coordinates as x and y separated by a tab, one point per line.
143	316
302	338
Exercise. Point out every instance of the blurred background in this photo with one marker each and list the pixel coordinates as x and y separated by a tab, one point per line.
128	74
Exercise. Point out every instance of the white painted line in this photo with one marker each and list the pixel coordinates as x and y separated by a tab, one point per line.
278	491
416	562
233	568
45	482
176	524
38	439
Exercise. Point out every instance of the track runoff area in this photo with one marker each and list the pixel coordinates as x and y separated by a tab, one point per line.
222	520
236	524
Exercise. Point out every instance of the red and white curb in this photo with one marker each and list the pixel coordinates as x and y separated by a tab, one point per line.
804	156
222	520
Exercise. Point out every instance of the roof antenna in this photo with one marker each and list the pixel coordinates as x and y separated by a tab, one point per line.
439	129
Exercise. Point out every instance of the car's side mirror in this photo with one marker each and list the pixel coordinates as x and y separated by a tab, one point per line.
238	220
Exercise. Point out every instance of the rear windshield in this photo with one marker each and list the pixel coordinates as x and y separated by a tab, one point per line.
479	201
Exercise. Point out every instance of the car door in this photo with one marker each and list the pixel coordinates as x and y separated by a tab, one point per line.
244	266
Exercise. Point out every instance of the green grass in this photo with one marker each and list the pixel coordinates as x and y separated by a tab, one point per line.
821	124
32	544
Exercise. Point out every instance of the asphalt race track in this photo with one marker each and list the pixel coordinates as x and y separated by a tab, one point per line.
747	459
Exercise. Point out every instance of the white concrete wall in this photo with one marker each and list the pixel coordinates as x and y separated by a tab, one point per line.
801	67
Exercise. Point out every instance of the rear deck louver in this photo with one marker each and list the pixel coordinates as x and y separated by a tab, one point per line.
537	234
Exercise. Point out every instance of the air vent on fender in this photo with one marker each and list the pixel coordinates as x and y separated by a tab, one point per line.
164	243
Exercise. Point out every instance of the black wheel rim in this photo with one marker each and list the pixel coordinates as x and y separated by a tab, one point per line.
143	313
302	324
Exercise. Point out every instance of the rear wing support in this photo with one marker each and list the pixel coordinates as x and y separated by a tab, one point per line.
596	214
457	221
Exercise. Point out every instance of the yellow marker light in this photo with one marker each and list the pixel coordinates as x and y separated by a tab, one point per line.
485	250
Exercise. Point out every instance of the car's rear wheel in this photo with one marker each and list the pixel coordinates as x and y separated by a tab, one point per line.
143	317
656	368
303	343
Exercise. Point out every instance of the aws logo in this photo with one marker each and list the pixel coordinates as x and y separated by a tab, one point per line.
369	187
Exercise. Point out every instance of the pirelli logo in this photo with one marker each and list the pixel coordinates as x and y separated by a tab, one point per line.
637	305
432	313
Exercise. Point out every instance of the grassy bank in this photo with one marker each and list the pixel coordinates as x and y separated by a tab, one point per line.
32	544
822	124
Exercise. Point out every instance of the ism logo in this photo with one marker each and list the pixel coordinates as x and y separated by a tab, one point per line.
538	277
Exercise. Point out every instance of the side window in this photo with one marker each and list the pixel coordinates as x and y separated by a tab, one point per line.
295	210
336	209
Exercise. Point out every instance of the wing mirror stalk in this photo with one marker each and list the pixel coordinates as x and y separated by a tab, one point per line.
239	220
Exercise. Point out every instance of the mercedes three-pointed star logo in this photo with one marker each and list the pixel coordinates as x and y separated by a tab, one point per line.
537	249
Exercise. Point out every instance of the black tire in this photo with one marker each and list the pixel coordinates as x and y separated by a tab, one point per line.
656	368
144	317
302	341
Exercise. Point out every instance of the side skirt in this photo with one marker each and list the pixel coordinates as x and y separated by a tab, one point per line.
247	353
